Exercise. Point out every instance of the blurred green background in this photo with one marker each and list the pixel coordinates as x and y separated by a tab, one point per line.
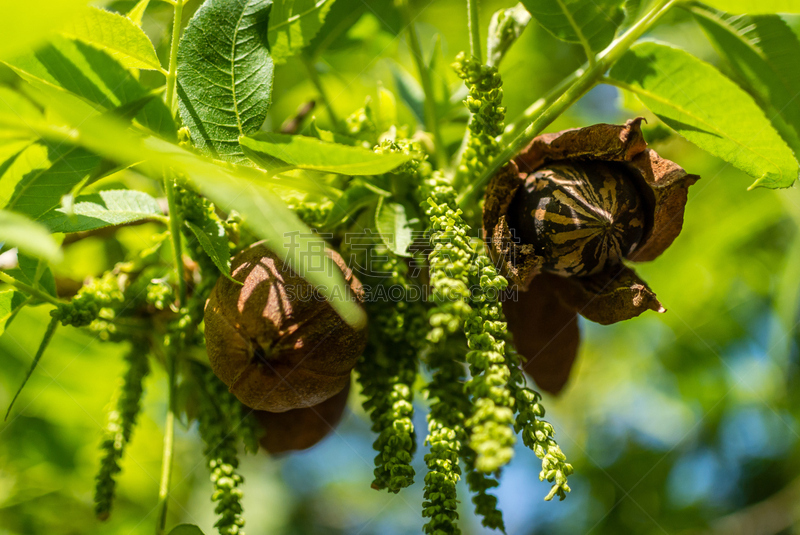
685	422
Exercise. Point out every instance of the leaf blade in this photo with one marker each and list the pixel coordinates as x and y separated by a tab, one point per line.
223	65
665	80
214	241
117	35
590	23
393	227
272	150
103	209
293	24
31	238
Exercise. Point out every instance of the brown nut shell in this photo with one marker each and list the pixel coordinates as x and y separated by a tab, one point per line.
275	342
299	429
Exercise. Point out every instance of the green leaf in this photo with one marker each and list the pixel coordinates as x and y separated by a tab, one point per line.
504	29
271	150
103	209
409	91
95	77
39	176
25	23
34	272
48	335
764	54
137	12
392	224
186	529
331	137
282	232
708	109
753	7
293	24
356	197
28	236
242	189
225	75
589	23
119	36
214	241
11	302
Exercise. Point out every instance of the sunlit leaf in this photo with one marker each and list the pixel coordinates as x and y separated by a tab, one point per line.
11	302
41	174
137	12
697	101
117	35
392	224
756	6
29	237
269	219
95	77
103	209
230	189
764	54
590	23
293	24
214	241
225	75
271	150
48	335
34	272
24	23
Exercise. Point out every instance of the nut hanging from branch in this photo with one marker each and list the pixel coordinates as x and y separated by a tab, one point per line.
561	219
273	340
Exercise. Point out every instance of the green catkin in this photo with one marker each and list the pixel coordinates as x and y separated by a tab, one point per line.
387	371
538	434
479	484
445	439
220	451
121	420
484	99
491	422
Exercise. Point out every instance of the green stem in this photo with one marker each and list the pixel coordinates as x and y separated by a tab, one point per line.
314	76
175	235
582	81
167	453
431	122
173	54
30	290
474	30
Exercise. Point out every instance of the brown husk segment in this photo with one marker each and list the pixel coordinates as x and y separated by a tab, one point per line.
614	295
275	351
299	429
545	332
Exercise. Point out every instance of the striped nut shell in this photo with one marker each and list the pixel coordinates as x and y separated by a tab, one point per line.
580	216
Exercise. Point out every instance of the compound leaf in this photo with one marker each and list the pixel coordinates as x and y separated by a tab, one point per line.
94	76
696	100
